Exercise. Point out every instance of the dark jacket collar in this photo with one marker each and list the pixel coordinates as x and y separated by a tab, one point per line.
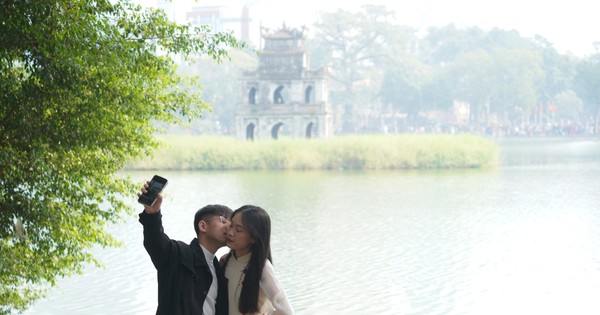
198	260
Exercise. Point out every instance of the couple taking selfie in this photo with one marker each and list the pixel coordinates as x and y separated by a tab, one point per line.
190	278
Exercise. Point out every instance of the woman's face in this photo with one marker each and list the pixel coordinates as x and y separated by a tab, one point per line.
238	238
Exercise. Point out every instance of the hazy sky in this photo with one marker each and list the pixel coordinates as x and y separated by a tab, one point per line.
570	25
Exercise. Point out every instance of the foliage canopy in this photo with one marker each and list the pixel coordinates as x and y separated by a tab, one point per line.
82	85
386	74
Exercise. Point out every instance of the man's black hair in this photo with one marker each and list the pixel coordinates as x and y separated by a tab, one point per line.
210	211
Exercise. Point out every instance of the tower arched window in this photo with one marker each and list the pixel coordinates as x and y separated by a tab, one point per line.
308	95
278	95
252	96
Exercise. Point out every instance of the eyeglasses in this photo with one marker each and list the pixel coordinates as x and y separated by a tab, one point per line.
221	219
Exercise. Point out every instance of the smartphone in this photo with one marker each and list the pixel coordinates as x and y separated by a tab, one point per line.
157	184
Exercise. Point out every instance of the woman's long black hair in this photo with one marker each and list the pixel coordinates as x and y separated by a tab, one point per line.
257	222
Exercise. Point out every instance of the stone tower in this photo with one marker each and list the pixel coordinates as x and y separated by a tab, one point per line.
282	97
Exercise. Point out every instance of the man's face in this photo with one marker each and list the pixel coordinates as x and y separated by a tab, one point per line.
216	229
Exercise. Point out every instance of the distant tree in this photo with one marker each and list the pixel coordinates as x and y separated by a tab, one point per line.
442	45
82	84
497	72
517	73
354	47
587	86
559	70
569	105
403	87
557	80
474	82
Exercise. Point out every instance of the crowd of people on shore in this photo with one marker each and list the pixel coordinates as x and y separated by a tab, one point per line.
566	129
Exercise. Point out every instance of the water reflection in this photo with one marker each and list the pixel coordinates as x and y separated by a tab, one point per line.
516	151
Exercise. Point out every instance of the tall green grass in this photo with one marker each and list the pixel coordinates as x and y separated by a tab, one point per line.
340	152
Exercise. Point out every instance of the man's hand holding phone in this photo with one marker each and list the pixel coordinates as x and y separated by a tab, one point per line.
150	195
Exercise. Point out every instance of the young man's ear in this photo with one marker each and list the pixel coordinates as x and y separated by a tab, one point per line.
202	226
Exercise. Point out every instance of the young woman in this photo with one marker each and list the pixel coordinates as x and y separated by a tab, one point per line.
252	285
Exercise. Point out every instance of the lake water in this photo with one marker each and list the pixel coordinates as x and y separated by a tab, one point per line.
520	239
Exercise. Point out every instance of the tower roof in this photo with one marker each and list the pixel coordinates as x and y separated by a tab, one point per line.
283	33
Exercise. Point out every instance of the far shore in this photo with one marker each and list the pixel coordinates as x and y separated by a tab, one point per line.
373	152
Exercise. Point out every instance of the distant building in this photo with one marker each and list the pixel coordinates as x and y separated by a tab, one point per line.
220	15
283	97
223	18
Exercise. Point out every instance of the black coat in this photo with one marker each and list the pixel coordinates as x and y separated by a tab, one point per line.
183	274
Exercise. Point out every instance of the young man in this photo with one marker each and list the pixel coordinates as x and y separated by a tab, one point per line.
190	279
